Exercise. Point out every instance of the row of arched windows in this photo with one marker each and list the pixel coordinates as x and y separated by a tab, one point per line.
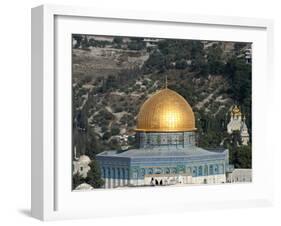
116	173
207	170
165	139
195	171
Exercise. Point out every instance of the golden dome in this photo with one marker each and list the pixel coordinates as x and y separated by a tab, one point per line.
236	111
165	111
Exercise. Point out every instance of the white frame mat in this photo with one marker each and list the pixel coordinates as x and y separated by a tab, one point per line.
52	197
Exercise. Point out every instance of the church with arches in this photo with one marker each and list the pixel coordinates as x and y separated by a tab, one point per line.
166	152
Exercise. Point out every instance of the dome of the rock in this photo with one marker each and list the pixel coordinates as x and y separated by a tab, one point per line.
165	111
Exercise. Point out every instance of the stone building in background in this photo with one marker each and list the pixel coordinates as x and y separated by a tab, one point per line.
236	123
81	165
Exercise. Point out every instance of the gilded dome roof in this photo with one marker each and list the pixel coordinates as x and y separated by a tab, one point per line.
236	111
165	111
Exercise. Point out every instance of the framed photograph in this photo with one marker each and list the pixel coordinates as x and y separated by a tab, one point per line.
135	112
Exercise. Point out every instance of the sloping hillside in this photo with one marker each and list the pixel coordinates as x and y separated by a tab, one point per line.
110	82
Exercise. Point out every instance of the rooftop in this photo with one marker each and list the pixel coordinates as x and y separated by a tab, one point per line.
164	152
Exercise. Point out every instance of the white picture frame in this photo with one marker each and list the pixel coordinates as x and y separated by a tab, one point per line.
52	197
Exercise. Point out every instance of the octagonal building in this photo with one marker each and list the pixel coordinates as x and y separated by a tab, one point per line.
166	153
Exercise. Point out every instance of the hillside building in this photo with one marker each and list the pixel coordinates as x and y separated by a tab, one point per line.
236	123
239	176
81	165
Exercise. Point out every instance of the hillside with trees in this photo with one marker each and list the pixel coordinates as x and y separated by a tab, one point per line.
112	77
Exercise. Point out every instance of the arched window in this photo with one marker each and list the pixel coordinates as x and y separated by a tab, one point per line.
200	171
142	172
169	139
181	169
148	139
118	173
158	170
216	169
173	170
221	169
109	172
189	170
206	170
211	171
113	173
191	139
181	138
194	171
158	139
127	173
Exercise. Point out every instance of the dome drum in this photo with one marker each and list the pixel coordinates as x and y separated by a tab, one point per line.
155	139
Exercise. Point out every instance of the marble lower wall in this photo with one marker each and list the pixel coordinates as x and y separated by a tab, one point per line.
211	179
165	180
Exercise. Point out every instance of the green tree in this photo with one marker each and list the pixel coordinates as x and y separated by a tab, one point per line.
132	141
78	39
201	66
238	46
77	180
240	79
181	64
136	45
215	60
93	144
118	40
94	175
115	131
155	62
85	42
243	157
106	135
